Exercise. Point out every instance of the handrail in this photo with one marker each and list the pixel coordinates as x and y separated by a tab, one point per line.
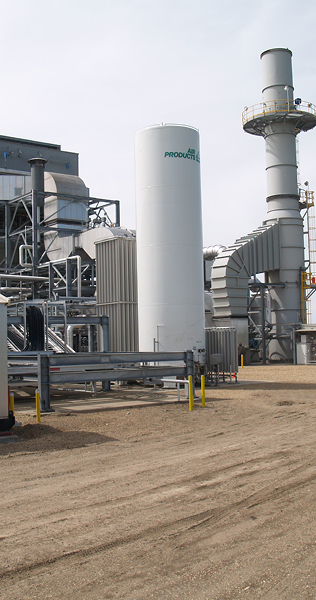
277	107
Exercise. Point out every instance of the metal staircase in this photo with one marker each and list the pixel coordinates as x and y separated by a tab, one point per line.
308	277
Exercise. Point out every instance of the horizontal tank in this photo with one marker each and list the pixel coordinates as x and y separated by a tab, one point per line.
169	239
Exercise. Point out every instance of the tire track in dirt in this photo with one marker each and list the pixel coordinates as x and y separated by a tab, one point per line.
207	480
269	493
200	485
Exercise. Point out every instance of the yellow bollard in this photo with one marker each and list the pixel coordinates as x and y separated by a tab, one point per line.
38	407
203	389
242	361
12	402
191	398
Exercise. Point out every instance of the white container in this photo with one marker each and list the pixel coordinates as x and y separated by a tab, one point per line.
169	240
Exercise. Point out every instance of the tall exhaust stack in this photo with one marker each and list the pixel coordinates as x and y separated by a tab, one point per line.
279	119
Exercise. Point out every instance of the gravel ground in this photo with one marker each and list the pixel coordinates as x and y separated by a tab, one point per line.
160	502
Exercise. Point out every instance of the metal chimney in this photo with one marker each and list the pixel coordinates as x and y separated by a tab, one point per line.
37	173
37	183
279	118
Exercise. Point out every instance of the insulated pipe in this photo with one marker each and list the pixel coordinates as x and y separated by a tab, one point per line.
211	252
18	277
23	254
70	335
15	290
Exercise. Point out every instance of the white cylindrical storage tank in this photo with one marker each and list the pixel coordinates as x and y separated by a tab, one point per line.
169	240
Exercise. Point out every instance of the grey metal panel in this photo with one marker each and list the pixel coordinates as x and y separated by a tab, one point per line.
117	291
117	374
15	153
222	340
100	358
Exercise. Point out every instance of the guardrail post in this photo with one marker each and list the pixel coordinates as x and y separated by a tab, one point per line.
38	406
105	345
91	338
12	402
203	390
189	361
191	394
43	380
105	340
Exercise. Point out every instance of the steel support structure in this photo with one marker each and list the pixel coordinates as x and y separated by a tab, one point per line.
24	225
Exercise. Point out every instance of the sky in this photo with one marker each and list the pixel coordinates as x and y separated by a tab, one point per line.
88	74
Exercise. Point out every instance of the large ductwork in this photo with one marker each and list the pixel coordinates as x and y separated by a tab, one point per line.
257	252
65	211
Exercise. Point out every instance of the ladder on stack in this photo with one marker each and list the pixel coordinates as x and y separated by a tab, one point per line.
308	282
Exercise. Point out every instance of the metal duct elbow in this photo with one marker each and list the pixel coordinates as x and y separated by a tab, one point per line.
211	252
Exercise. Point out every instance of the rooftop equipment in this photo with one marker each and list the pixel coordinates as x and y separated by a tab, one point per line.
169	240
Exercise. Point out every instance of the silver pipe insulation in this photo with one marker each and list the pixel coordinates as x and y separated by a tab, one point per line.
17	277
211	252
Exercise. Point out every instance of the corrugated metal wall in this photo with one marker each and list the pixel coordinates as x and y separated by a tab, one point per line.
116	287
222	340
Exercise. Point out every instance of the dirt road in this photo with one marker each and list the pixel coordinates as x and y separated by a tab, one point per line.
159	502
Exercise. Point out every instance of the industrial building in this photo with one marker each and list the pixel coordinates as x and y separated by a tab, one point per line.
78	281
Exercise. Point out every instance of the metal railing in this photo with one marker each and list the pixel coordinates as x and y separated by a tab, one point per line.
53	369
277	107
